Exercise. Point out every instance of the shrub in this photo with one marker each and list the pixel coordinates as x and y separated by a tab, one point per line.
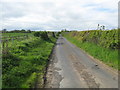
42	35
37	34
53	34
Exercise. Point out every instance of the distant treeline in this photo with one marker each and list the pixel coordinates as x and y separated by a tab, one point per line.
16	31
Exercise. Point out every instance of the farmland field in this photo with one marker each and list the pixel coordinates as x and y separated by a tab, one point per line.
14	34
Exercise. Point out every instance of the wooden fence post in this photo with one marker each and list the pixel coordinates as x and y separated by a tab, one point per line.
3	46
6	47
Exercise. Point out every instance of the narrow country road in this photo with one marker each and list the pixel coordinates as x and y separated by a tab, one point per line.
70	67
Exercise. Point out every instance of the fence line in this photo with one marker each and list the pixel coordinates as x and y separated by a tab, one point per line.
13	38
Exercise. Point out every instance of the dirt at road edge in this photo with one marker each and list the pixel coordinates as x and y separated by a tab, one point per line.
53	78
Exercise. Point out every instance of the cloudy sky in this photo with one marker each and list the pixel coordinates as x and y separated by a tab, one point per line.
58	14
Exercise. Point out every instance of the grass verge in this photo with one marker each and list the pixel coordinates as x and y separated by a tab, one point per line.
25	61
108	56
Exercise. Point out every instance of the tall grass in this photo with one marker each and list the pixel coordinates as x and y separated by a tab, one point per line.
106	55
25	61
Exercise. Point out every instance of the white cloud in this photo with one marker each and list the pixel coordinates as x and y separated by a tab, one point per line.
59	14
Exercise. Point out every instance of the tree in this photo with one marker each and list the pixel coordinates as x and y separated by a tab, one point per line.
103	27
4	30
98	27
37	34
53	34
23	31
29	31
42	35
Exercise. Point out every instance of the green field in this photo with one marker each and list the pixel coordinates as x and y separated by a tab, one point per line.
25	61
14	34
102	45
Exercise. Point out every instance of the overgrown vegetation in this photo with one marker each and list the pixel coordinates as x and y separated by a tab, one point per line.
26	61
102	45
42	35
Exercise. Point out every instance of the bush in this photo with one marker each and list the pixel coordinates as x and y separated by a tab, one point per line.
42	35
53	34
37	34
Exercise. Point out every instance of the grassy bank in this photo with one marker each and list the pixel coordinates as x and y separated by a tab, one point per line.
106	55
25	62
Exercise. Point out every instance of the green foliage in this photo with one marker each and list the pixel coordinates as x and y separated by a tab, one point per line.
30	81
53	34
15	34
16	31
37	34
97	44
106	39
42	34
58	33
26	59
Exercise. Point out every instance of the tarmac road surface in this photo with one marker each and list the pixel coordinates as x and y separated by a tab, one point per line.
70	67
